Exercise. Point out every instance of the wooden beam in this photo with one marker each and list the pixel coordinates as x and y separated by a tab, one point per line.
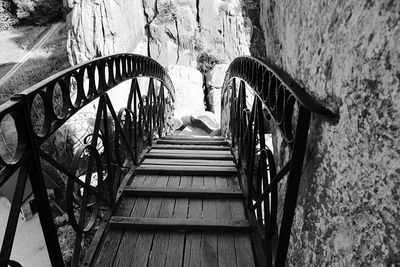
202	193
188	156
175	224
189	137
193	142
186	170
187	151
189	162
190	147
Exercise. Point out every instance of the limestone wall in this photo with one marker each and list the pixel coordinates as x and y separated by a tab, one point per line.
170	31
347	53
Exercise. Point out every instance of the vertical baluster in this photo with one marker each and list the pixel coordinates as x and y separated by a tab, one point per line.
233	120
107	152
39	191
293	182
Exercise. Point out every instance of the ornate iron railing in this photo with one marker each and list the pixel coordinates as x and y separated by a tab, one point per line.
29	118
259	100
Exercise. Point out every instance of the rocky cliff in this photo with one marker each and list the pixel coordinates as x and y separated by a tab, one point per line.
347	54
184	32
196	34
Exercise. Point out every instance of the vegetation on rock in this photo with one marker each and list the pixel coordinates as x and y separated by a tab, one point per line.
29	12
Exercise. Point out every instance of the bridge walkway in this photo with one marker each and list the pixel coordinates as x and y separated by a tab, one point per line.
183	207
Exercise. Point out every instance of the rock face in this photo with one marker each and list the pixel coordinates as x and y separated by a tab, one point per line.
171	31
101	27
188	83
347	53
214	81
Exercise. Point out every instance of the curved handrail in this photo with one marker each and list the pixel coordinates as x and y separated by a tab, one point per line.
252	69
277	100
124	66
117	139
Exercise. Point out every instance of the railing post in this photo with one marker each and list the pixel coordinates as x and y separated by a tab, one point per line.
293	183
40	193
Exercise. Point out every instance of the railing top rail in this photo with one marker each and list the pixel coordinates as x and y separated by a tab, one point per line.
63	94
251	67
163	77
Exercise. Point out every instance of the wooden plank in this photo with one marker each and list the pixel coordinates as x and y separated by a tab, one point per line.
189	151
209	243
189	156
113	239
145	239
244	251
124	255
185	170
190	147
193	142
159	252
188	162
177	239
190	137
182	192
226	243
175	224
193	240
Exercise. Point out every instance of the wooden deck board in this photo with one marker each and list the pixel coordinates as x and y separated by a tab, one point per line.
145	238
176	243
190	147
193	240
209	242
188	162
159	251
113	238
124	255
226	243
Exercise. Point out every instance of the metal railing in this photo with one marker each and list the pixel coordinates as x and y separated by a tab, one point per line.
29	118
259	100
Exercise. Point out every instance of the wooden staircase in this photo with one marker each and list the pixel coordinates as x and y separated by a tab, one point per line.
183	207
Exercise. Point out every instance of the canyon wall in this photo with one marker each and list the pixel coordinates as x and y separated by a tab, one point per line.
347	54
184	32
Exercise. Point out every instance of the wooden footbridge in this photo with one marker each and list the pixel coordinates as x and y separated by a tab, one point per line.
143	197
183	208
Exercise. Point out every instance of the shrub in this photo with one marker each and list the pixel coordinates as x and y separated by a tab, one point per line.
7	19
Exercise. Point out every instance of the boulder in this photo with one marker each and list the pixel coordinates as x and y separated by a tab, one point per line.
214	81
215	77
190	130
188	83
206	121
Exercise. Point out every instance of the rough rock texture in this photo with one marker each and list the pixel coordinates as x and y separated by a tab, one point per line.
188	83
214	81
170	31
102	27
346	53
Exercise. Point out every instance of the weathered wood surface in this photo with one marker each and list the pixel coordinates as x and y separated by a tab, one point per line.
146	228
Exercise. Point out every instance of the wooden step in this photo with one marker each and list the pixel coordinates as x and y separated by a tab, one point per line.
175	224
209	156
188	162
195	138
202	193
191	147
186	170
193	142
187	151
